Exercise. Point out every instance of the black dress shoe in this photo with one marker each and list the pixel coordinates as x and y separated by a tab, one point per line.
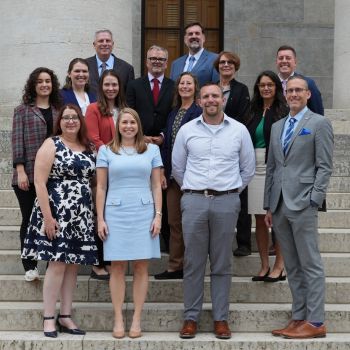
261	278
52	334
281	277
64	329
167	275
104	277
242	251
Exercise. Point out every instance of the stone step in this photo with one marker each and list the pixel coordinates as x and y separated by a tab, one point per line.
336	264
243	290
168	317
331	219
331	240
169	340
337	201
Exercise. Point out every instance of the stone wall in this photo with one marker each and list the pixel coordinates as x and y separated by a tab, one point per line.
254	29
51	33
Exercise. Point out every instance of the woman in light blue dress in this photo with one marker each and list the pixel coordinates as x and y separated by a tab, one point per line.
129	210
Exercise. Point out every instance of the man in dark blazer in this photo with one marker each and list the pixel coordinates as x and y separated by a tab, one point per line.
139	95
286	63
202	65
104	59
153	108
298	171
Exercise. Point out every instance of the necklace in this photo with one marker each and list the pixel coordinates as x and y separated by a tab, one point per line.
133	151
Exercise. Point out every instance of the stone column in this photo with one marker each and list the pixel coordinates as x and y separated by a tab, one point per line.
341	81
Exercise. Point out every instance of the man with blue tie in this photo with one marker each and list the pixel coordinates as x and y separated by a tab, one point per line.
198	61
298	171
104	59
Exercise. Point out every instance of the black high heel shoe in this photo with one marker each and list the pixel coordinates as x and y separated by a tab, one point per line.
281	277
261	278
52	334
64	329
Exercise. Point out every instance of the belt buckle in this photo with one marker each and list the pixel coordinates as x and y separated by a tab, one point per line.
208	195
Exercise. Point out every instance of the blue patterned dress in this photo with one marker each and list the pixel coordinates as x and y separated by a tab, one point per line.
70	200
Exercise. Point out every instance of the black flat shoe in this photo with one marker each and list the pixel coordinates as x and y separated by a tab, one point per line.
281	277
261	278
167	275
52	334
104	277
64	329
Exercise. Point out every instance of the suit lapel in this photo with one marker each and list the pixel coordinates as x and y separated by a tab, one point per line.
147	88
296	132
94	71
202	59
280	127
163	89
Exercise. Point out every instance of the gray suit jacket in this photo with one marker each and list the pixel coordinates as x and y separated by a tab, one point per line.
303	173
124	70
203	69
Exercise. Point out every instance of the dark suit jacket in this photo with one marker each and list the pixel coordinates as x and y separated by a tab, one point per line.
314	103
124	70
193	112
203	69
68	96
139	97
29	131
237	105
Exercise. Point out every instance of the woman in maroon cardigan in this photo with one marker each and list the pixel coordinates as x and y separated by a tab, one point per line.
33	122
101	118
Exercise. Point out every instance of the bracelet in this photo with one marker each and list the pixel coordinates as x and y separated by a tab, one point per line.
159	213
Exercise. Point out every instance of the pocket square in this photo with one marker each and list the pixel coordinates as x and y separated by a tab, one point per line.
304	131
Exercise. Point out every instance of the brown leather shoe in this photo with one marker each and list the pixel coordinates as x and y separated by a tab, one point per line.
189	329
222	330
291	325
306	331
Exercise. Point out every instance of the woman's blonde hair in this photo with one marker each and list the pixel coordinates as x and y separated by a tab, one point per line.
116	143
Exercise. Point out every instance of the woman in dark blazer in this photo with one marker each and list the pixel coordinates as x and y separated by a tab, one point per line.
236	105
185	109
33	122
267	106
76	88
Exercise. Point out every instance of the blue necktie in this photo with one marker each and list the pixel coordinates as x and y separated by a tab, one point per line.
190	64
289	134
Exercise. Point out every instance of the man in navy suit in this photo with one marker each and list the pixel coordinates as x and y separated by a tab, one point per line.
104	59
198	61
286	63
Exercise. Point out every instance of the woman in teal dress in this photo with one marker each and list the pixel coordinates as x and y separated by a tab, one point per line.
129	210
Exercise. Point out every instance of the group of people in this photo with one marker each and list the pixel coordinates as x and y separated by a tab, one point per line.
194	143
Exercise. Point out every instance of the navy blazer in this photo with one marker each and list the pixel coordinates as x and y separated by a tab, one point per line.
139	97
68	96
237	105
193	112
124	70
314	103
203	69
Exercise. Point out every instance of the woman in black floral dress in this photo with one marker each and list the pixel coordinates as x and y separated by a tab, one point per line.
61	229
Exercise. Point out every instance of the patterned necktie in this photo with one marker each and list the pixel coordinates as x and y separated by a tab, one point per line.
103	67
191	63
289	134
155	90
284	86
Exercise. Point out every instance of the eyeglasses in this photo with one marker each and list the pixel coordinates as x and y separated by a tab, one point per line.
68	118
296	90
228	62
155	59
267	85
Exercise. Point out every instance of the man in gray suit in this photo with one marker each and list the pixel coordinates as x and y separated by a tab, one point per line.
198	61
298	170
104	59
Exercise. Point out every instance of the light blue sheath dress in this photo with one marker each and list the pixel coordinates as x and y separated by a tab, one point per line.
129	208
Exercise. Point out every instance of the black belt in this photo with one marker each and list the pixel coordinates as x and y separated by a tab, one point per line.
209	193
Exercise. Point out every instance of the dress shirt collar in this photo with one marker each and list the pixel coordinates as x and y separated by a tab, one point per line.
196	56
298	116
109	62
151	77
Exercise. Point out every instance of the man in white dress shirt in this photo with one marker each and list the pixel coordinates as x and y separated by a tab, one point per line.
213	161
